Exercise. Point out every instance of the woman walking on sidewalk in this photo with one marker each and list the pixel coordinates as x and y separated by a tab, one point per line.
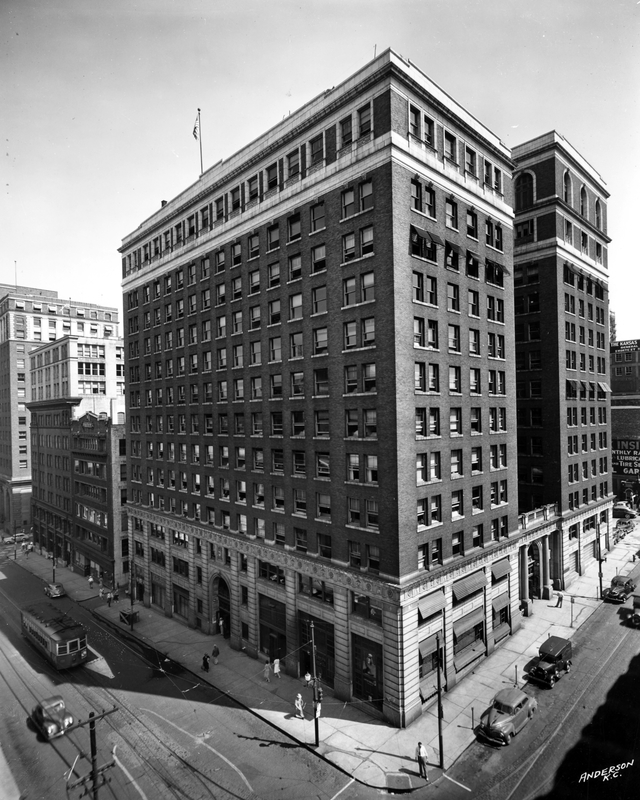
267	672
205	662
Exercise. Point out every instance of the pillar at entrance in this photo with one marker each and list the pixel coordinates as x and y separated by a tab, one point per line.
546	588
526	603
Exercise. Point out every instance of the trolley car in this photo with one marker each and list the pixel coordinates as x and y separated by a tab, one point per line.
55	634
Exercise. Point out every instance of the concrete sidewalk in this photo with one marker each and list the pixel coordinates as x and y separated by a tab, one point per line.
371	751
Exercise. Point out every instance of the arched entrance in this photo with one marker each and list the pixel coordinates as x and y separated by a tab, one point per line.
220	607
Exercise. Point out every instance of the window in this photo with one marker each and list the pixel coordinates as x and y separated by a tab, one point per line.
319	300
294	228
364	121
317	217
451	213
453	297
318	258
450	147
472	224
316	151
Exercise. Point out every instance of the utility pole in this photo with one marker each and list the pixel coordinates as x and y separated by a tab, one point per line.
96	776
440	712
316	703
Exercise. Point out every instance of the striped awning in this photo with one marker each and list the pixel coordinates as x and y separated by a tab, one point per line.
604	386
500	602
429	646
431	604
500	569
468	622
466	586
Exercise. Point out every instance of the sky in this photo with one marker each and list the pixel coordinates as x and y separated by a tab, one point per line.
98	99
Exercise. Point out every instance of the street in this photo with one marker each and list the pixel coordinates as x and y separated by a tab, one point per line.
171	735
587	722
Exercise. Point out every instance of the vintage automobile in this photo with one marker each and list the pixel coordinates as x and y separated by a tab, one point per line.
634	619
619	590
509	712
54	590
51	717
555	656
623	510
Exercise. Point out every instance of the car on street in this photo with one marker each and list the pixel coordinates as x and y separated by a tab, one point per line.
19	537
51	717
619	590
621	510
509	712
554	657
54	590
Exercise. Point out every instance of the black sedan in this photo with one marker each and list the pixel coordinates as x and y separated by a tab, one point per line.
619	590
51	717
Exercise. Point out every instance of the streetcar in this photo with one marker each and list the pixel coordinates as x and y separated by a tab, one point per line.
61	639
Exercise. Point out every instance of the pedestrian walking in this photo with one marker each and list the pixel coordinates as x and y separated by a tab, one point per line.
116	595
100	581
421	758
267	672
205	662
560	599
109	599
299	704
90	579
276	667
221	624
101	592
215	653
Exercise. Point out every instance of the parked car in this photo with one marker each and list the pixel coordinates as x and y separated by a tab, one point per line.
509	712
555	656
54	590
619	590
634	619
51	717
623	511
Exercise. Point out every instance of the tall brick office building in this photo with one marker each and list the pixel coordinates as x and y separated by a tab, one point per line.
321	394
562	353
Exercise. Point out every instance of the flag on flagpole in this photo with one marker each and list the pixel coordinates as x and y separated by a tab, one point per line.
196	128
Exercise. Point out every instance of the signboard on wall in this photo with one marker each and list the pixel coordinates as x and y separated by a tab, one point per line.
626	346
625	456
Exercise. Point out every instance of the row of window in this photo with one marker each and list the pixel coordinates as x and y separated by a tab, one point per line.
588	496
428	420
424	245
359	424
429	464
587	470
360	513
427	379
425	290
426	334
430	509
430	555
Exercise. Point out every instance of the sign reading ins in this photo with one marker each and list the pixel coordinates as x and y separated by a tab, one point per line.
625	456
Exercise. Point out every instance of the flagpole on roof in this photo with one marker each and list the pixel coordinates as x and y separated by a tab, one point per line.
197	132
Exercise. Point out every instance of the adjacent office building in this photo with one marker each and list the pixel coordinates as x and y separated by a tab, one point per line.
562	355
320	359
625	419
78	450
29	317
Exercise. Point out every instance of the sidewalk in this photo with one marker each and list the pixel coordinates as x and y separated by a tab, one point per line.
371	751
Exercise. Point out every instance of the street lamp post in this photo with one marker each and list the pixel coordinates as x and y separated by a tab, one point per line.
317	693
440	712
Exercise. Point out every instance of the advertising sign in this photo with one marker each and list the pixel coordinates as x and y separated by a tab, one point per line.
625	456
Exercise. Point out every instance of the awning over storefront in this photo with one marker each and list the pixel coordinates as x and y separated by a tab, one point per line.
431	604
466	586
500	569
429	646
468	622
500	602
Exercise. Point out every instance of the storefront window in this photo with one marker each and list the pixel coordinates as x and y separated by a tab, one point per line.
368	682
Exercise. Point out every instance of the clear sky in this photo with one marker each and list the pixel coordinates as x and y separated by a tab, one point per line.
98	99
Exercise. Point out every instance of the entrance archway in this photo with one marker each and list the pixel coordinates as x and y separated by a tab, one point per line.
220	607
